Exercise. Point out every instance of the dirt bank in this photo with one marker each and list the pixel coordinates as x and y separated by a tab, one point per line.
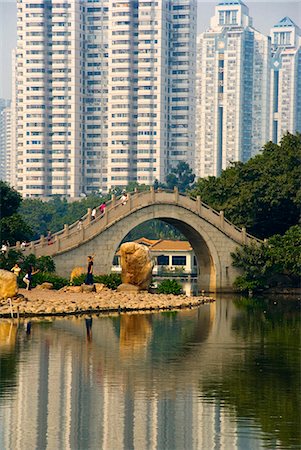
50	303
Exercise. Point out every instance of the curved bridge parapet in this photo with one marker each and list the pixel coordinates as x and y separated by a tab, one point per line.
72	236
212	237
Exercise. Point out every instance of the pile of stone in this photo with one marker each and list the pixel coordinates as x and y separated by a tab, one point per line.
40	302
131	295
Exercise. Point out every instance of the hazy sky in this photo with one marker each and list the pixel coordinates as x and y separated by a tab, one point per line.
265	14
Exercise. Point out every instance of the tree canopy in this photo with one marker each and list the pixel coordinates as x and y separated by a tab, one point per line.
262	194
12	226
10	200
53	214
277	262
181	176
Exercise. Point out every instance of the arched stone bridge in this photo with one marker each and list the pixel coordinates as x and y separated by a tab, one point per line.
212	237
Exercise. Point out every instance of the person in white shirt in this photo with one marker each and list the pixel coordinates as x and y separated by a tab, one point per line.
124	198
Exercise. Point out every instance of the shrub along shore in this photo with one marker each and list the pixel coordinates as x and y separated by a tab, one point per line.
69	301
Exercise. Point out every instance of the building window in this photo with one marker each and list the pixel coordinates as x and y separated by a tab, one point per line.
179	260
221	17
163	260
116	261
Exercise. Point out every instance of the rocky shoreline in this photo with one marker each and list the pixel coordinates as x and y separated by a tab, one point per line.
39	303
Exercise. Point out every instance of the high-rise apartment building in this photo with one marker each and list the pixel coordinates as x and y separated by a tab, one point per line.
150	89
285	79
5	140
95	95
49	98
232	118
105	93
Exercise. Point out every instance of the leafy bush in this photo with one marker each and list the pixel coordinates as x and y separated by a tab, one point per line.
41	277
78	281
243	284
44	263
111	281
8	260
274	263
169	287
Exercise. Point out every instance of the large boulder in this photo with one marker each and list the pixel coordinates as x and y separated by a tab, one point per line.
45	285
136	265
76	272
74	289
8	284
126	287
88	288
99	287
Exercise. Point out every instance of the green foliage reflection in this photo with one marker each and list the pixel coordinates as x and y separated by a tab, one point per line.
265	384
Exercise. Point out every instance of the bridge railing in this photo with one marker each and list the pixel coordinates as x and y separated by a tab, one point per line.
71	236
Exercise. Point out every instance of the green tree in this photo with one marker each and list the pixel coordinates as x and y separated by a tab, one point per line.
12	226
52	215
39	214
181	176
13	229
262	194
10	200
154	229
276	262
8	260
158	185
134	185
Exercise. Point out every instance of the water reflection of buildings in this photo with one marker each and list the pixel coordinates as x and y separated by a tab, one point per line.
72	393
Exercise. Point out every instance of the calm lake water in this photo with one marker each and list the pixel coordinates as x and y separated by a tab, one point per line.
223	376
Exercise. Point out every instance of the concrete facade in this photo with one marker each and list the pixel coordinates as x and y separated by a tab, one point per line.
211	236
232	87
103	93
5	140
285	95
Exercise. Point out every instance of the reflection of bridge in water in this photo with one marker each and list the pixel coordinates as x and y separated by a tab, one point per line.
133	386
212	237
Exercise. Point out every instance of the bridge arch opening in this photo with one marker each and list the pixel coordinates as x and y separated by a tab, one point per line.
206	258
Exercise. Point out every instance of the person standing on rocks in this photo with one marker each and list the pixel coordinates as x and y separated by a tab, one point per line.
16	271
28	277
89	276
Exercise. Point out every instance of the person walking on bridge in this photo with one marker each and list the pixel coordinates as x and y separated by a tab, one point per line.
93	213
124	198
102	208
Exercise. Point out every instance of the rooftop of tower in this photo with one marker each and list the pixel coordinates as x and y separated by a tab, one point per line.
230	2
285	22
